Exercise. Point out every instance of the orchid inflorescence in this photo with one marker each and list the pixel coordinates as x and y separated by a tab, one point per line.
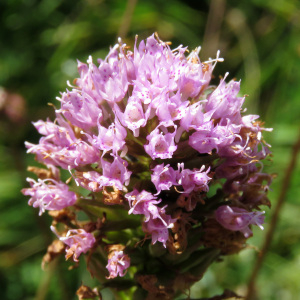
146	133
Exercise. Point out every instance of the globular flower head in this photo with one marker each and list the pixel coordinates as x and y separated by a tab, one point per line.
145	132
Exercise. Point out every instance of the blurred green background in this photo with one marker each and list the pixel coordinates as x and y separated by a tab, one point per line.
39	44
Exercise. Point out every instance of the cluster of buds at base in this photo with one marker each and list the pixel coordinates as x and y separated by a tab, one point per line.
147	139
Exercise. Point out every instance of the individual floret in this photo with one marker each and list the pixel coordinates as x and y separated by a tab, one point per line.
49	194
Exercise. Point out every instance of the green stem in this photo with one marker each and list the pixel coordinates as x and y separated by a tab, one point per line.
120	225
90	202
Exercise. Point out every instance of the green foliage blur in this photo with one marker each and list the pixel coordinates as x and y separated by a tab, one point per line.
40	41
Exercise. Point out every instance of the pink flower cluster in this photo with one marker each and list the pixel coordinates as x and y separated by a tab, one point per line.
164	177
148	124
49	194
